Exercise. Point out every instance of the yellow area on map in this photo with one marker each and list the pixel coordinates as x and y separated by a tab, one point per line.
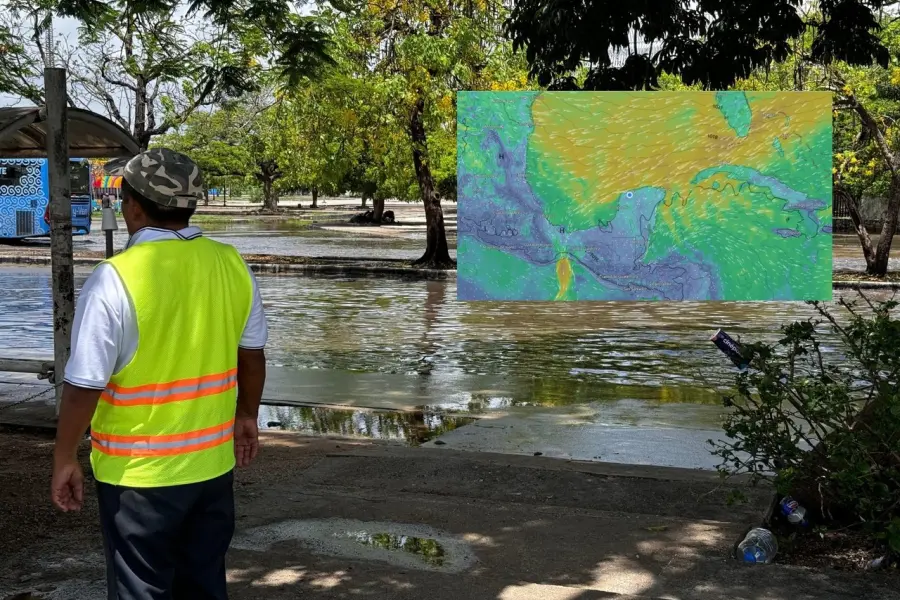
564	274
611	143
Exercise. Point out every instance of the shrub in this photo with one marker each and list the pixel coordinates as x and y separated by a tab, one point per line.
820	416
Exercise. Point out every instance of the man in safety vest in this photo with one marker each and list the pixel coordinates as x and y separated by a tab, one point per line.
167	368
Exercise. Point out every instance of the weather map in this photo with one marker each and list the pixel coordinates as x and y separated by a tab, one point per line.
644	196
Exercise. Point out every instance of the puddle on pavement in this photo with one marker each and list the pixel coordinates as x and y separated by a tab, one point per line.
403	545
413	428
429	550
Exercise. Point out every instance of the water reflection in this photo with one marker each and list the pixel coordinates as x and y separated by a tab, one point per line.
413	428
427	549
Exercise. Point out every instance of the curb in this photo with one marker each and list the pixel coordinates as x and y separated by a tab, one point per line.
352	270
865	285
334	270
43	261
361	270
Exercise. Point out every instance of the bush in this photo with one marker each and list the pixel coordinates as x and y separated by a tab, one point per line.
823	423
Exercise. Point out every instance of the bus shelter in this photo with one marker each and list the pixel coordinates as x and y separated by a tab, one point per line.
23	134
57	132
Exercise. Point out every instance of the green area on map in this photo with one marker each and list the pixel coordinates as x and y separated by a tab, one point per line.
644	196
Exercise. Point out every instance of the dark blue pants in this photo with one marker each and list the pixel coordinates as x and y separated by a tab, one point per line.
167	543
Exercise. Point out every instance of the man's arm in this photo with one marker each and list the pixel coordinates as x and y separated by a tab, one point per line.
75	413
251	378
97	334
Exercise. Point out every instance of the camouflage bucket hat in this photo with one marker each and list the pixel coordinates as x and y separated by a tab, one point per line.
166	177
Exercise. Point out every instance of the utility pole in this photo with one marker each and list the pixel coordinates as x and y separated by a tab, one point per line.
63	274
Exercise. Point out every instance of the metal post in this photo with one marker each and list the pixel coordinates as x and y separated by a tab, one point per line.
60	221
108	224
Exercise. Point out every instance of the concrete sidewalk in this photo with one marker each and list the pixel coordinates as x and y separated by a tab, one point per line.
325	519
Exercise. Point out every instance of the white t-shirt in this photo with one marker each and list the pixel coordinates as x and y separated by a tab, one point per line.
105	332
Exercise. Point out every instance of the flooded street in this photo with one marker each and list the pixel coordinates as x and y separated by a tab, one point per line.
556	353
403	360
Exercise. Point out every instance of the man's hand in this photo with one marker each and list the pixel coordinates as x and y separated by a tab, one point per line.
246	440
67	486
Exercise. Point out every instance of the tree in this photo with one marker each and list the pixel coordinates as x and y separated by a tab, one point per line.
869	160
151	70
848	47
324	125
867	102
152	64
708	43
419	53
243	140
22	55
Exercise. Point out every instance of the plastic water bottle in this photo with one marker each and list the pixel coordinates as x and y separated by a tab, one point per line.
760	546
791	509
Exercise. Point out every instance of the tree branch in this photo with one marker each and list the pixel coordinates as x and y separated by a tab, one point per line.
883	146
111	80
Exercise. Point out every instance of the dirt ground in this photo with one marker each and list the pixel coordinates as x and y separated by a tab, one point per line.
536	528
29	522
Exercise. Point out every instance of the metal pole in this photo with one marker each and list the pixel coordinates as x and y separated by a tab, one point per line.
108	224
60	221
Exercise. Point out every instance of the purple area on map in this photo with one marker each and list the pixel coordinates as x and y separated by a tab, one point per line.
613	252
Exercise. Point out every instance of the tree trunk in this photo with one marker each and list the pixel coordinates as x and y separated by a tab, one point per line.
377	210
363	200
270	198
268	173
879	267
139	127
859	225
315	197
206	196
437	252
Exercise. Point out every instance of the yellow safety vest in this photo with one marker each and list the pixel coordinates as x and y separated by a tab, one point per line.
167	417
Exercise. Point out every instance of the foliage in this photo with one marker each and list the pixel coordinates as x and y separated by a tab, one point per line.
20	58
824	422
150	65
237	144
710	43
417	54
292	44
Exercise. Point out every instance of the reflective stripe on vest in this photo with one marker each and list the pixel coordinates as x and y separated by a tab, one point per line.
176	391
162	445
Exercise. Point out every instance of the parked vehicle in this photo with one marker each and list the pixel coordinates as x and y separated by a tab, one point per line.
25	198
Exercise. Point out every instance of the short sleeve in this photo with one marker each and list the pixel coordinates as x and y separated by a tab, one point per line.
256	331
97	332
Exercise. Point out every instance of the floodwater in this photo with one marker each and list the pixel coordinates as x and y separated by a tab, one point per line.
409	333
295	237
403	360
